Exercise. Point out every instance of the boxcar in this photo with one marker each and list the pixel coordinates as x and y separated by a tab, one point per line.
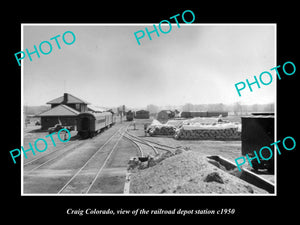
89	124
142	114
258	131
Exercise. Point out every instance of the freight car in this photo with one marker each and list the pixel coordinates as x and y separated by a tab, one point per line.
258	131
129	115
142	114
89	124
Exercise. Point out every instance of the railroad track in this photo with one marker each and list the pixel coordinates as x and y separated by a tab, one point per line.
140	142
154	145
137	145
92	161
45	158
93	168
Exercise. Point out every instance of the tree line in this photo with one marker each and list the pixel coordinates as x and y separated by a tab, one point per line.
236	108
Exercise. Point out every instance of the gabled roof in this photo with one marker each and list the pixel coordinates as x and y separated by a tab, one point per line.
60	110
71	100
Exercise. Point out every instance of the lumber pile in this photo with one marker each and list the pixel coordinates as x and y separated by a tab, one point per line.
157	128
208	132
163	130
197	129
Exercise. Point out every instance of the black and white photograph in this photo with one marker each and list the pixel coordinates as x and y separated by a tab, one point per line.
157	109
145	113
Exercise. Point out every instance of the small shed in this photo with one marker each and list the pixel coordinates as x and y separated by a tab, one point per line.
142	114
165	115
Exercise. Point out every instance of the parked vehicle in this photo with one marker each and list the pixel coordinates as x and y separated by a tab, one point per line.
58	127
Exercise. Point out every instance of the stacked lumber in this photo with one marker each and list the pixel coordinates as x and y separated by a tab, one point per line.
197	129
161	130
213	132
157	128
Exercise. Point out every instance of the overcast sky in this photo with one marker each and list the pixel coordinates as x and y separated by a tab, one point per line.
192	64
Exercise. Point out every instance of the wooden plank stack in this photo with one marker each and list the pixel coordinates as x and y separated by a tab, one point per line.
200	129
161	130
207	134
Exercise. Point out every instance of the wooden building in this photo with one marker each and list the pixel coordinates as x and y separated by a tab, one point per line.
142	114
164	115
64	110
71	101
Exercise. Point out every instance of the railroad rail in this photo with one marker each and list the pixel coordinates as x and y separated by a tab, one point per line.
136	140
84	178
90	185
154	145
138	146
62	152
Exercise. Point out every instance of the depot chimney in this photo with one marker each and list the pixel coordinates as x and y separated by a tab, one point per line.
65	98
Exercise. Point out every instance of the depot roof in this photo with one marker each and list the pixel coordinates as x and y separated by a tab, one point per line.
60	110
67	99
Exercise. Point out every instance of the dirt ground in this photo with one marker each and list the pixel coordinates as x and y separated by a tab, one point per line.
227	149
32	133
189	173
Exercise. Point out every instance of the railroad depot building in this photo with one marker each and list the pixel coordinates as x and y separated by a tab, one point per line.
63	110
